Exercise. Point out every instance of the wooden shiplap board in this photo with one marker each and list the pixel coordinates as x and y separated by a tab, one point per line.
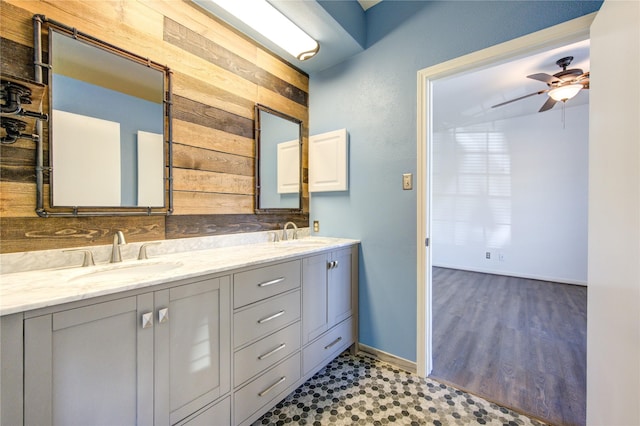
76	232
195	135
218	76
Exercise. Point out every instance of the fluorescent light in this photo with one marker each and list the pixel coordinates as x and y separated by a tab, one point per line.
564	93
268	21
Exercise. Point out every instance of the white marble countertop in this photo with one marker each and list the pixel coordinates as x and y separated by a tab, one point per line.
24	291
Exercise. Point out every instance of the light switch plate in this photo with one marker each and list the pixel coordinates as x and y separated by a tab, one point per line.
407	181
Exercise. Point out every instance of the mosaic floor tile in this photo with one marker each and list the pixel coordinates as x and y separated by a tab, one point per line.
357	390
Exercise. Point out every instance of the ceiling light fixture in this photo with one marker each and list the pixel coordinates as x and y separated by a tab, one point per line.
272	24
564	93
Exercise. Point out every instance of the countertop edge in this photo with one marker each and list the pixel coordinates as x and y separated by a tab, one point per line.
16	296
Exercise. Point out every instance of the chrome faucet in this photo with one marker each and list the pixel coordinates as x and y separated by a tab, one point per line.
284	231
118	240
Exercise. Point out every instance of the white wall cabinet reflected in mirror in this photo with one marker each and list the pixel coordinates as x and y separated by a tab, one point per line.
107	127
278	162
288	165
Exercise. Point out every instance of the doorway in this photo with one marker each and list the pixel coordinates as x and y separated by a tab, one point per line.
566	33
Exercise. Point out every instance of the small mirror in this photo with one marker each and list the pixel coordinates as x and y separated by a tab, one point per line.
107	127
278	162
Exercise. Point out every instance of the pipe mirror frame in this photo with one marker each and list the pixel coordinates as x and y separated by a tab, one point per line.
257	130
39	65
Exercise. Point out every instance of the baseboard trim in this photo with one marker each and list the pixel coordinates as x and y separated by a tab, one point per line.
396	361
514	274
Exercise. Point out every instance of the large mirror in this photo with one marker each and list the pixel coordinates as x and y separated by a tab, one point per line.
278	162
107	126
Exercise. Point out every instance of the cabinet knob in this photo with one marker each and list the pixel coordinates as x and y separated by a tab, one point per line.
333	264
147	320
163	315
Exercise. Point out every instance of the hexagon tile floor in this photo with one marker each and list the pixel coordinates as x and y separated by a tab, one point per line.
357	390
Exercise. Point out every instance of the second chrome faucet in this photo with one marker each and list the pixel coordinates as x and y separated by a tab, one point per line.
118	240
284	231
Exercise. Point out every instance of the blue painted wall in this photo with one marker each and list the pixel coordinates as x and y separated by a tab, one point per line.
373	96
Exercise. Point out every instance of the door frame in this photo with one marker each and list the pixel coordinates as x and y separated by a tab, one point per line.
557	35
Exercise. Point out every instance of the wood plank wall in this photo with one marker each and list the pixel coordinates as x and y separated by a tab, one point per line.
218	77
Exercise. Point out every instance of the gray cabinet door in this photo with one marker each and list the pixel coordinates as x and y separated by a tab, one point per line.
315	320
90	365
11	373
193	353
111	363
341	298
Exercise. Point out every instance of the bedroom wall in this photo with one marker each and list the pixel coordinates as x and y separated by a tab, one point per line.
517	189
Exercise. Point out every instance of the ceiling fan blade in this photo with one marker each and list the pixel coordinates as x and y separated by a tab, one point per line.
545	78
548	104
583	79
521	97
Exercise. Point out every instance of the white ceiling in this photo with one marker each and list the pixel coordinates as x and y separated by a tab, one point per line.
467	98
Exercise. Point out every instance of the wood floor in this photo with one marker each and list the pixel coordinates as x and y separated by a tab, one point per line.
518	342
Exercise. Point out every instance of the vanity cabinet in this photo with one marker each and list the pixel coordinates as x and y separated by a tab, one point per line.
152	358
329	305
211	350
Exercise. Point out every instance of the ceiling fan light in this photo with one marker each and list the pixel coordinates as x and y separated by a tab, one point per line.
564	93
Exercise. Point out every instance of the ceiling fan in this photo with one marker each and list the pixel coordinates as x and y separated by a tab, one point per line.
562	86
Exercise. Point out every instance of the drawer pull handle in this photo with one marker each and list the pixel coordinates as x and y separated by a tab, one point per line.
335	342
270	388
270	317
271	352
268	283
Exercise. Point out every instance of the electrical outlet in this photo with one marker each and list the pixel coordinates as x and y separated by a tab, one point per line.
488	255
407	181
501	257
316	226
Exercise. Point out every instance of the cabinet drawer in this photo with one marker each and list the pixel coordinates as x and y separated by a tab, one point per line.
217	414
328	346
258	284
266	317
265	353
266	389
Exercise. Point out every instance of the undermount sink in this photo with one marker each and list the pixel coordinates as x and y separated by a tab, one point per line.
130	270
305	242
